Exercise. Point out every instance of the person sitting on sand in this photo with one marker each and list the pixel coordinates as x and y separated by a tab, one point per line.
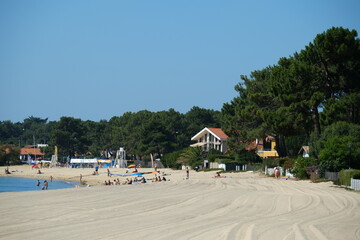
39	172
163	178
7	171
217	175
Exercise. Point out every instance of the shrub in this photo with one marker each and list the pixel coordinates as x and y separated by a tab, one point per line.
303	166
356	175
346	175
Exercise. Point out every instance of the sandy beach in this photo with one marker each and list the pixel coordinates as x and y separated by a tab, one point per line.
240	206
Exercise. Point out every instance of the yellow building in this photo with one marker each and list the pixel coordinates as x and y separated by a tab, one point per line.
266	148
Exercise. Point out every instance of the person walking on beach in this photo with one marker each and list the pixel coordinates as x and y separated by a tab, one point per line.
38	183
51	178
187	173
108	171
97	170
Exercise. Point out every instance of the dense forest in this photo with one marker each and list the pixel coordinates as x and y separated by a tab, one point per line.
140	133
309	98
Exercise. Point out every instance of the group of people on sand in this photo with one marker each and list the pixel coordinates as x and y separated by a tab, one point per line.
158	179
127	181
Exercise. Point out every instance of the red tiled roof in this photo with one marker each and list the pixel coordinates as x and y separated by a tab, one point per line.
218	132
31	151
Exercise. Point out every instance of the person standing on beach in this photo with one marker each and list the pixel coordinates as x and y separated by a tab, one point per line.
108	171
46	185
97	170
277	172
38	183
187	173
51	178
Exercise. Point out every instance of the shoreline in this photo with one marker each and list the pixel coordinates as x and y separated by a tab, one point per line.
73	174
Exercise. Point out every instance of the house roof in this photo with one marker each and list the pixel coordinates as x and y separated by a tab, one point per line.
31	151
252	146
217	132
306	149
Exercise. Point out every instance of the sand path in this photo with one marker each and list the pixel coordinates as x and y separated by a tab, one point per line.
241	206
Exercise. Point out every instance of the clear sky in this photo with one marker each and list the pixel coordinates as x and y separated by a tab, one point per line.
98	59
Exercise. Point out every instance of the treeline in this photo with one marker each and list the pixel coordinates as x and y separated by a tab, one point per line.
309	98
140	133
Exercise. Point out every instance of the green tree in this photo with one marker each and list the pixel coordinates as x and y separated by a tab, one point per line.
192	156
70	136
339	153
346	108
197	118
10	133
9	155
36	130
98	136
170	159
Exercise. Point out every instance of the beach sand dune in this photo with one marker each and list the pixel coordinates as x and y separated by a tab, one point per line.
240	206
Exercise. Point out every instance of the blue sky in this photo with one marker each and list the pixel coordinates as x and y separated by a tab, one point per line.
98	59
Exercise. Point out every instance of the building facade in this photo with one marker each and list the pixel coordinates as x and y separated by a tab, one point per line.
211	138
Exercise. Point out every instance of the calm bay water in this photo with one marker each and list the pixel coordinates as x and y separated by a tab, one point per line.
17	184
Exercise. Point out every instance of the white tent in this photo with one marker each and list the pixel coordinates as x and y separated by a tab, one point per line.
78	160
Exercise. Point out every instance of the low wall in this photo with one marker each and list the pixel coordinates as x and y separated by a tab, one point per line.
355	184
333	176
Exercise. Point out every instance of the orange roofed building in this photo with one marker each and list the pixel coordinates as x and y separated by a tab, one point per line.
30	152
211	138
264	148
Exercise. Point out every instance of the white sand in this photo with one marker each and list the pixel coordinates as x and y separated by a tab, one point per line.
241	206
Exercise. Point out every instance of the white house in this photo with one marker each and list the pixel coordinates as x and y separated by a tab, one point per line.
211	138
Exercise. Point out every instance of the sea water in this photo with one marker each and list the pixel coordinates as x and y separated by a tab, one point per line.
18	184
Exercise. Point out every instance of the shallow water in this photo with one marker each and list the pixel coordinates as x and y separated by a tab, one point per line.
17	184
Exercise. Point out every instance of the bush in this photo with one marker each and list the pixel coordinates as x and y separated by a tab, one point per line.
303	166
356	175
169	160
346	175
